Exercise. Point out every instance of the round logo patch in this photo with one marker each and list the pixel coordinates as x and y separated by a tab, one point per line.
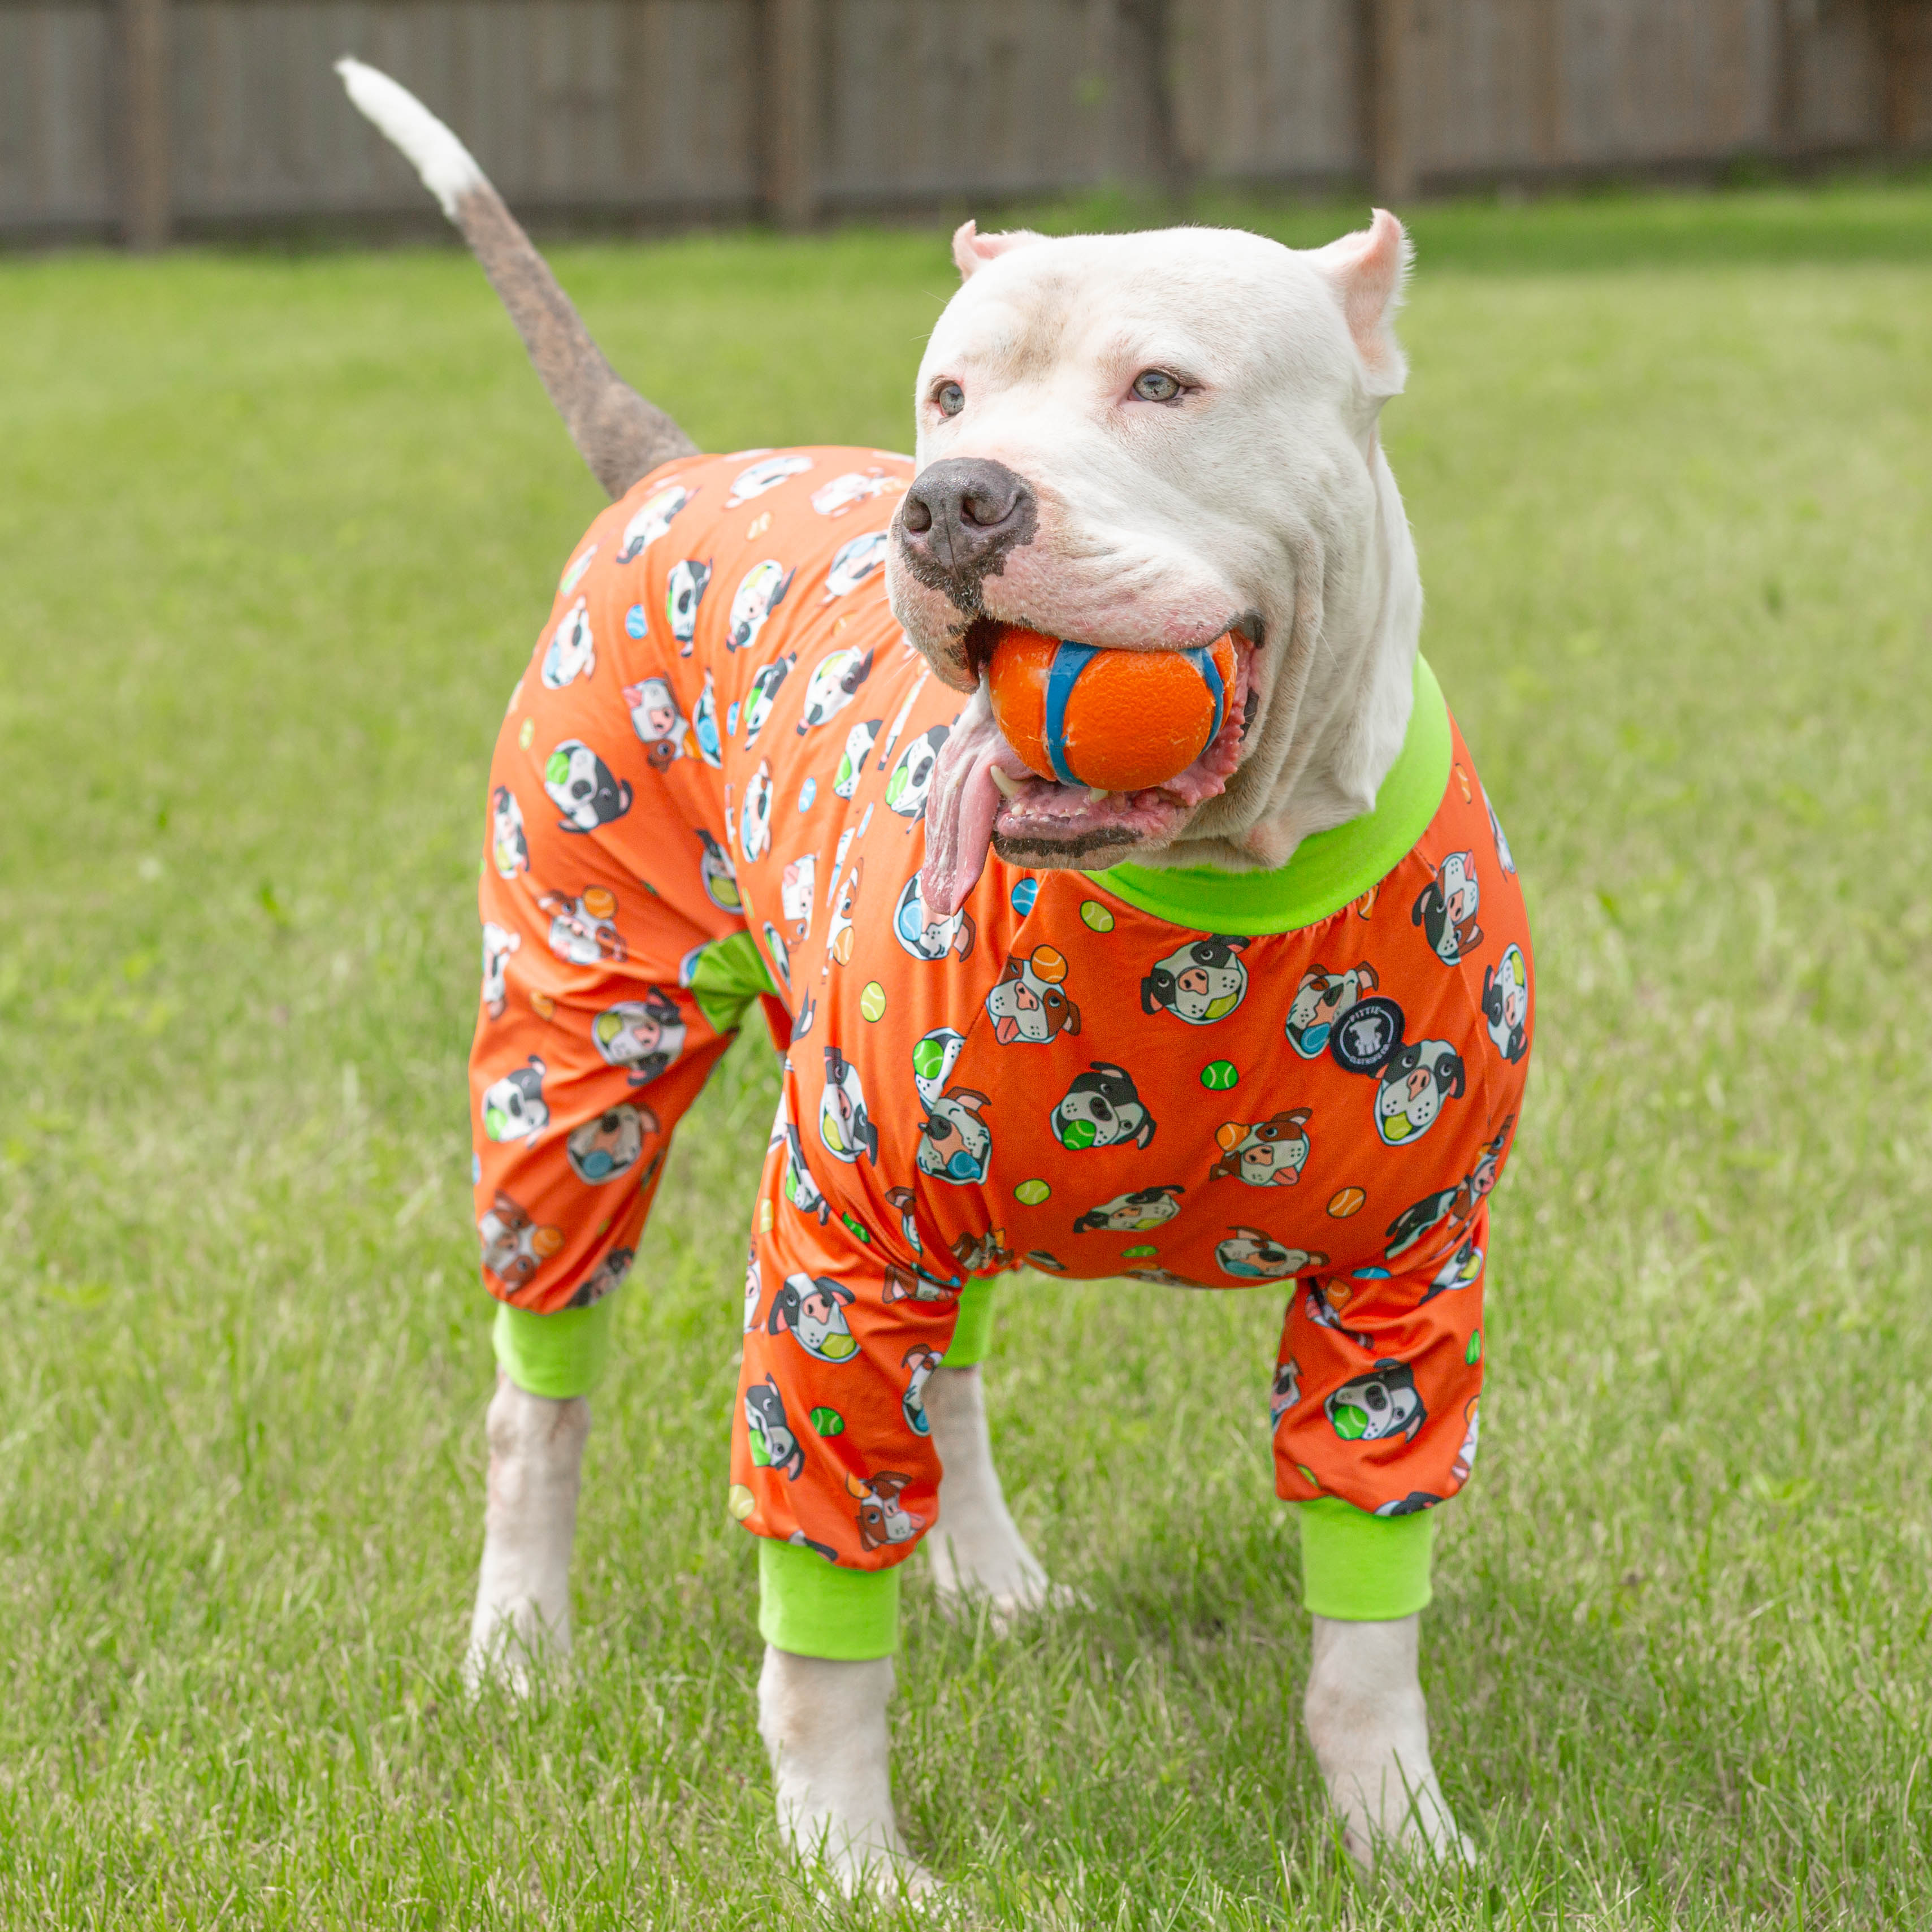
1218	1075
1366	1035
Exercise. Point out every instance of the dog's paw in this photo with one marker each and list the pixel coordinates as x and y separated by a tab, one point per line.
1007	1611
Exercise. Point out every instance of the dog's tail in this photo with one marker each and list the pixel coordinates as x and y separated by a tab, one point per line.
617	432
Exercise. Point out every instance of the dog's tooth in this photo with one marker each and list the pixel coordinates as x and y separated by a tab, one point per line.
1009	787
1095	793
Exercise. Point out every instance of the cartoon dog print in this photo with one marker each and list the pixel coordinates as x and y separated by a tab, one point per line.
773	1444
1144	1209
915	1285
883	1518
1373	1407
719	875
760	591
858	743
799	1188
1320	1000
514	1246
514	1107
922	1360
767	475
1101	1109
660	726
498	943
797	884
684	591
855	486
854	562
983	1254
1472	1436
572	651
767	683
779	955
1200	983
1413	1504
755	824
1506	1004
926	938
1461	1270
605	1279
581	786
1505	858
954	1143
582	931
1249	1254
838	934
1268	1153
509	849
1446	910
911	777
1285	1392
1028	1005
833	684
843	1125
1412	1087
812	1310
704	726
1161	1277
650	520
754	1289
1322	1304
602	1149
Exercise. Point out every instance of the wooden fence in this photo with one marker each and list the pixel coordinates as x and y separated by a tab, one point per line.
142	118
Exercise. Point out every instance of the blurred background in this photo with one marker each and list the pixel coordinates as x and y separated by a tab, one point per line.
146	119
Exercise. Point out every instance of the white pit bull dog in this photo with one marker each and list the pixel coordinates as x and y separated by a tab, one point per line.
1147	442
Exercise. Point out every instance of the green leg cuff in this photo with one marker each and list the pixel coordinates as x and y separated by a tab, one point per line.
973	1332
813	1608
558	1355
1360	1568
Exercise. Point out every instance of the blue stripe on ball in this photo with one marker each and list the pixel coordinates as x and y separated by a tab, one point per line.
1203	661
1069	661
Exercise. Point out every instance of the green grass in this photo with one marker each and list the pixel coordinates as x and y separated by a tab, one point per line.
275	534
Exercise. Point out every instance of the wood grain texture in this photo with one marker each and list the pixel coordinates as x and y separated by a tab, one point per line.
671	110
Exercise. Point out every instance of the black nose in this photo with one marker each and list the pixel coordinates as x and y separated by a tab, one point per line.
960	518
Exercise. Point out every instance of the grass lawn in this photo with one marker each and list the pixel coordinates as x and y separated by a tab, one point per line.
275	534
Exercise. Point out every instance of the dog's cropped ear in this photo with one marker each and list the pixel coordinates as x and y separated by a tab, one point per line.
971	250
1367	270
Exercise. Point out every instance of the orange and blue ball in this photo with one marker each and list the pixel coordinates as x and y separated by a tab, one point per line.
1123	720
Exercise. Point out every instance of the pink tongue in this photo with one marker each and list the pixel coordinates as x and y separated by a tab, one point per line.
960	809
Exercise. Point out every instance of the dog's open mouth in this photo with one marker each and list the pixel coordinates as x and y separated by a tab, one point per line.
983	797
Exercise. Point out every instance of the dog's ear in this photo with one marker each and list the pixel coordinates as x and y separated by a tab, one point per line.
971	250
1367	270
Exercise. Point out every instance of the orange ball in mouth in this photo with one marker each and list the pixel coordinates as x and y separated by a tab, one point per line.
1122	720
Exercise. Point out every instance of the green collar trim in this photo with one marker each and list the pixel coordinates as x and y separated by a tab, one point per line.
1328	869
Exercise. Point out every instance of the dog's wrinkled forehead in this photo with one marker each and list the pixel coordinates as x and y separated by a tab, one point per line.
1068	324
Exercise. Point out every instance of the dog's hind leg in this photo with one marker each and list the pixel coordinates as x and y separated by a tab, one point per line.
522	1620
1369	1727
977	1547
823	1723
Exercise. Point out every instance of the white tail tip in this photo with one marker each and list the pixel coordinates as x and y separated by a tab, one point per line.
448	168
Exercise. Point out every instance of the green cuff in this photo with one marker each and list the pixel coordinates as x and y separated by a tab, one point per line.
1364	1569
973	1332
558	1355
813	1608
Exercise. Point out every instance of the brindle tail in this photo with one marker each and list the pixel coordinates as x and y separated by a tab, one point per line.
617	432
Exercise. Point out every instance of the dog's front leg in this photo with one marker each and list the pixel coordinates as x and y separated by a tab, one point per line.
977	1547
1369	1727
523	1593
823	1723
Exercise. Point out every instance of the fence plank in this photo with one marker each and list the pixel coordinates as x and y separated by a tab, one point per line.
145	91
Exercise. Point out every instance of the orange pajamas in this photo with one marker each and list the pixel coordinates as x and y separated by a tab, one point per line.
709	788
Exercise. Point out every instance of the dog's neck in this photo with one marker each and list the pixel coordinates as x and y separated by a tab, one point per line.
1344	689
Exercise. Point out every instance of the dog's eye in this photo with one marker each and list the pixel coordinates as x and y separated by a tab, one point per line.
950	398
1157	385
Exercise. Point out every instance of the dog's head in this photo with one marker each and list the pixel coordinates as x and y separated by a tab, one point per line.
1144	442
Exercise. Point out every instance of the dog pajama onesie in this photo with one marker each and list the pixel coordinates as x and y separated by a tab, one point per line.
709	792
